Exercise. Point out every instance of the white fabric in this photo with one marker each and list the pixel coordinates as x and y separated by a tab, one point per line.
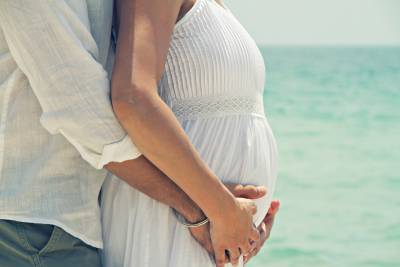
213	81
215	106
55	110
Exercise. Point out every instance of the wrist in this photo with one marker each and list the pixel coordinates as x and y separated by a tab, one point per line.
191	212
227	205
188	224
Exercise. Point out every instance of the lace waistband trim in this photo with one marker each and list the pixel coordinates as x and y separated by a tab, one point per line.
206	107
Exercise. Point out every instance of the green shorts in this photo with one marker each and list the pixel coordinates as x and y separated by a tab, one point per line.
42	245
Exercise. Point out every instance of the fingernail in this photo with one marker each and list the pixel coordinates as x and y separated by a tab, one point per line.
262	189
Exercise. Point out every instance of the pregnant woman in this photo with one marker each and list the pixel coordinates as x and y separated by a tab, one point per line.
190	95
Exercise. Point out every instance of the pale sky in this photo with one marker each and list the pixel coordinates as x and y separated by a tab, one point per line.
320	22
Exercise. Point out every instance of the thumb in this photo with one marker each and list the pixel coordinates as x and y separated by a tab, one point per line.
274	208
250	191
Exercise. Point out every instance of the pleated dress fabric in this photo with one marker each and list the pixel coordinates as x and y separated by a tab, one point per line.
213	82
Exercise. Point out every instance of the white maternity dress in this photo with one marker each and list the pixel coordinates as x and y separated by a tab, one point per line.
213	82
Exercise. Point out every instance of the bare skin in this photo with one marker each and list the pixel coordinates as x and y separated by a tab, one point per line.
265	230
202	234
145	29
144	176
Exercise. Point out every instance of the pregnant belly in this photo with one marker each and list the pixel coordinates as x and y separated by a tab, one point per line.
239	149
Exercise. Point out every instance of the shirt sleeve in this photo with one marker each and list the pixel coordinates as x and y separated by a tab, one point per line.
56	52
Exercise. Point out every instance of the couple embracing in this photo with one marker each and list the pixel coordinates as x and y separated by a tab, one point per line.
178	145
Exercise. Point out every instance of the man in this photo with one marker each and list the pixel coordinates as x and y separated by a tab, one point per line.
58	133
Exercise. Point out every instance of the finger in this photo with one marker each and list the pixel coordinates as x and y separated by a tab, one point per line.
220	257
273	210
274	207
234	188
269	220
227	257
254	235
253	192
268	226
257	245
253	253
253	246
246	258
247	191
245	248
265	232
262	229
234	255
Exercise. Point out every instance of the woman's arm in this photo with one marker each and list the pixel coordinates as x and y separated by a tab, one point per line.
145	29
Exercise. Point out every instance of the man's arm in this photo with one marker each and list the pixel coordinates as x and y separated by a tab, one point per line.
141	174
143	41
145	177
57	54
54	48
73	91
72	88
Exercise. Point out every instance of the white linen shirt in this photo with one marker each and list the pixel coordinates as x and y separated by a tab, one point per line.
57	127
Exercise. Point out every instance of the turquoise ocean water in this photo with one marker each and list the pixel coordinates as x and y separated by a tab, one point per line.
336	116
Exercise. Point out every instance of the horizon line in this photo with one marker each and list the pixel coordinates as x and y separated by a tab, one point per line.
327	45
